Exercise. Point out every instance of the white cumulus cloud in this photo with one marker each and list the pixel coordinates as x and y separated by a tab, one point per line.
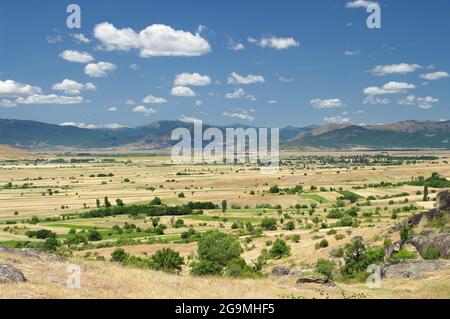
76	56
359	4
434	76
154	40
144	110
235	78
402	68
389	88
100	69
50	99
182	91
326	103
150	99
278	43
13	88
194	79
71	87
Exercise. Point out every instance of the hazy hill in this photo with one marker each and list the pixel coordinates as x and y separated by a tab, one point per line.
408	134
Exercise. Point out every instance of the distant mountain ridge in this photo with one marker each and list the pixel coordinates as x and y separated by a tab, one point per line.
156	135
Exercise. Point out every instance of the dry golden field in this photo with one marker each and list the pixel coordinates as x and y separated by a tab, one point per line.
51	185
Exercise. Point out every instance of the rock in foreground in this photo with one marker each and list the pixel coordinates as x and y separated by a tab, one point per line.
10	274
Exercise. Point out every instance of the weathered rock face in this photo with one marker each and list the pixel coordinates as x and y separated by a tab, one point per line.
10	274
443	200
412	269
416	219
314	279
439	241
280	271
393	249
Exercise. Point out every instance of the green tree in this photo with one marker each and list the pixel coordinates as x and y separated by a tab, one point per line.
156	201
224	206
51	244
279	249
94	235
107	203
325	267
167	260
119	255
269	223
274	189
425	193
119	202
215	250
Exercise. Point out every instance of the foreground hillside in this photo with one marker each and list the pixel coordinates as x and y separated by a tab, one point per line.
47	279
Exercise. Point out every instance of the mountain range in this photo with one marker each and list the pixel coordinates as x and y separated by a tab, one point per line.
401	135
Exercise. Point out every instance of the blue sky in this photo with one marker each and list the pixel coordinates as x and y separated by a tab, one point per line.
263	63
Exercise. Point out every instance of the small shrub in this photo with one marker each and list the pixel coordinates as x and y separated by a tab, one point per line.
431	253
325	267
279	249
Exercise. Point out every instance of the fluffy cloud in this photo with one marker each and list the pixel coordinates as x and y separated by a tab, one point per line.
240	94
434	76
100	69
71	87
337	120
278	43
422	102
240	115
80	38
198	103
182	91
359	4
76	56
237	94
13	88
195	79
235	78
112	109
154	100
50	99
272	102
326	104
376	100
236	46
401	68
143	109
389	88
155	40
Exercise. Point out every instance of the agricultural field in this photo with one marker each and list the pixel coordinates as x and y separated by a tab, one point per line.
112	213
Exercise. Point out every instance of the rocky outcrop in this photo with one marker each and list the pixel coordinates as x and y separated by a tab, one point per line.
393	249
314	279
443	200
9	274
280	271
304	276
441	242
413	269
416	219
33	253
